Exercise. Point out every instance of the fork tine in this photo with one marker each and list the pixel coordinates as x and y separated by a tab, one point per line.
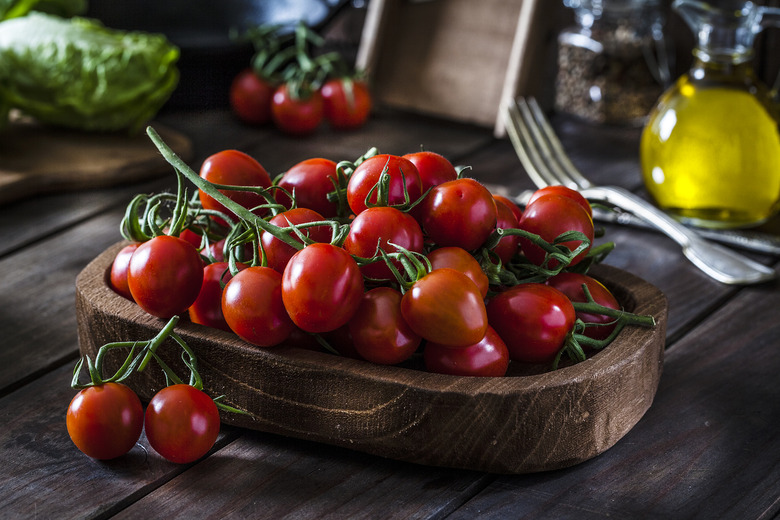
535	166
565	169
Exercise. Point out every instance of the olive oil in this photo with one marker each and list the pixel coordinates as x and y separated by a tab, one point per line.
711	156
710	151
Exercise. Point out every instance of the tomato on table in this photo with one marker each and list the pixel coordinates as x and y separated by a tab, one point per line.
250	97
563	191
165	275
346	103
533	319
181	423
105	421
296	113
233	168
516	210
509	245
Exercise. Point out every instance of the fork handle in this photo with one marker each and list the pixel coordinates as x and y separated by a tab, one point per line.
719	262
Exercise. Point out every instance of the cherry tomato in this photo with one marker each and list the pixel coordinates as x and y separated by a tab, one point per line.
550	216
379	332
105	421
533	320
374	228
487	358
321	287
401	171
296	115
346	103
181	423
311	181
571	284
507	247
434	169
459	213
445	307
118	275
165	275
461	260
253	308
233	168
192	237
250	97
207	309
516	211
563	191
279	253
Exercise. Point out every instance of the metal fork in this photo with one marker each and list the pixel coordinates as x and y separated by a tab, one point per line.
546	162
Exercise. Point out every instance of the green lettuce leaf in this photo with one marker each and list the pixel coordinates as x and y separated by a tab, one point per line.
78	73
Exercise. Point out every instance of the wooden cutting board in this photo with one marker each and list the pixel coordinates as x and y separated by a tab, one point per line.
35	159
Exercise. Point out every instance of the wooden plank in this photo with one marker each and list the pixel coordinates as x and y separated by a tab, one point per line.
267	476
45	476
37	295
706	449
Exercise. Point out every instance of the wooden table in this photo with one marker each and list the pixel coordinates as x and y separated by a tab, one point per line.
707	448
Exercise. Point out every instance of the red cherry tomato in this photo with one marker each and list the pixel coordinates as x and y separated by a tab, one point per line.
461	260
181	423
571	284
279	253
346	103
253	308
459	213
516	211
374	228
533	320
296	116
434	169
507	247
563	191
550	216
321	287
233	168
105	421
118	275
250	97
445	307
401	171
379	332
311	181
165	275
192	237
207	309
487	358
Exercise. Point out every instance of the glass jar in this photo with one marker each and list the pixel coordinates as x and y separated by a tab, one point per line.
613	64
710	152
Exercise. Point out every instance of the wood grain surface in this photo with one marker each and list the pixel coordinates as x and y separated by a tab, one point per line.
37	159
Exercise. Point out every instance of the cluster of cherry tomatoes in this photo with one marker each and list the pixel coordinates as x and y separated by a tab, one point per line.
106	420
379	259
295	90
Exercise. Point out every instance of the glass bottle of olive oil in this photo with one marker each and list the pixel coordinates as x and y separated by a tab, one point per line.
710	152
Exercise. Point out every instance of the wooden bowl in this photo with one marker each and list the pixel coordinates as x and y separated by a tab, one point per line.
513	424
